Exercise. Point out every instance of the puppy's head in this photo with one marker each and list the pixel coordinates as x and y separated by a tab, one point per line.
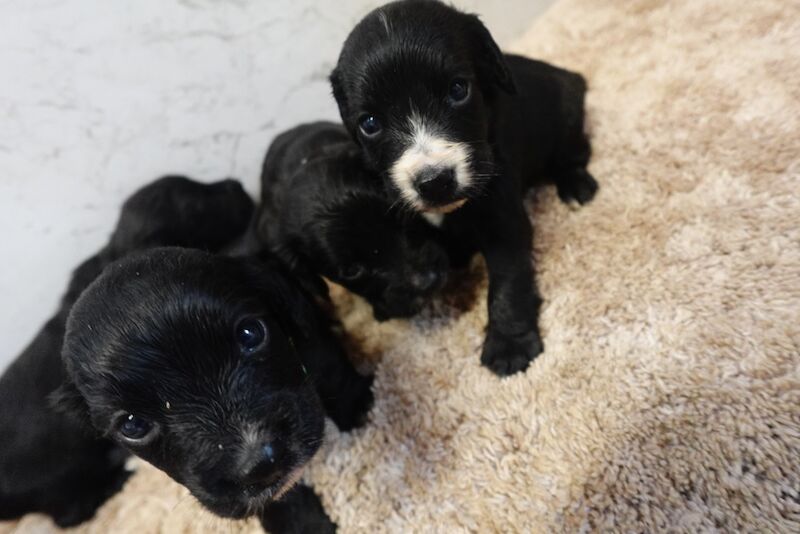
392	259
414	82
183	212
189	361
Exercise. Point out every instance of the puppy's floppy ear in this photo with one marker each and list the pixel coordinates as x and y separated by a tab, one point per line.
338	92
66	399
308	279
490	60
292	303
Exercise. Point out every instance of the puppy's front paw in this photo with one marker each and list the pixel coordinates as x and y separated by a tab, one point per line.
353	404
298	512
84	503
506	355
577	185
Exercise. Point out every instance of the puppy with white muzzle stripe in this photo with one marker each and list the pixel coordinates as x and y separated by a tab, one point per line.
432	168
458	131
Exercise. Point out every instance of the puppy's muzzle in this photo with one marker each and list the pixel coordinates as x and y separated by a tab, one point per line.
436	185
264	467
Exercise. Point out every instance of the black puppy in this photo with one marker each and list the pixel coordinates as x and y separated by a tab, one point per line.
324	214
458	131
217	370
48	462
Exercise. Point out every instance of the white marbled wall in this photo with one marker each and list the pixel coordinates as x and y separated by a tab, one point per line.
98	97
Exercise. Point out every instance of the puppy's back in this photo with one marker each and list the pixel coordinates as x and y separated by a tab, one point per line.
544	115
297	147
296	175
552	85
179	211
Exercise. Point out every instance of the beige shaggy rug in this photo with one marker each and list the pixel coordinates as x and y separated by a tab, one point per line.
668	396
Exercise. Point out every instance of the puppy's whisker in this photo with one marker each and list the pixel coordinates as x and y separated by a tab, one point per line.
219	524
201	520
180	502
397	202
409	206
307	380
207	521
313	442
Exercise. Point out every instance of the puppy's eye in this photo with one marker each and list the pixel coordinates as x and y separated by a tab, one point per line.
370	125
134	428
351	272
459	92
251	334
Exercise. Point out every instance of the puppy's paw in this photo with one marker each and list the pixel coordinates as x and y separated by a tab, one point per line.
299	512
83	505
353	404
506	355
577	185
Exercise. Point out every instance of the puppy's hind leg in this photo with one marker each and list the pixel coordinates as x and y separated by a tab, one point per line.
298	512
573	181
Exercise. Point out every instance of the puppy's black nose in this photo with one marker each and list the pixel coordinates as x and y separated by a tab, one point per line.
424	281
436	185
266	469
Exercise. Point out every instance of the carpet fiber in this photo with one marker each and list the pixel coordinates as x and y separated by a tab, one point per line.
668	395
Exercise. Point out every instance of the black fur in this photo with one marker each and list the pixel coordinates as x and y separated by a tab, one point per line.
522	123
300	512
50	462
324	214
155	338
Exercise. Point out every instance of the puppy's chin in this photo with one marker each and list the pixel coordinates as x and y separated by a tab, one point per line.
288	483
254	504
426	208
444	209
277	490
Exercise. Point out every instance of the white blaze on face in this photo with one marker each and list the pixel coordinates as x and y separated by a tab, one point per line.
426	149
